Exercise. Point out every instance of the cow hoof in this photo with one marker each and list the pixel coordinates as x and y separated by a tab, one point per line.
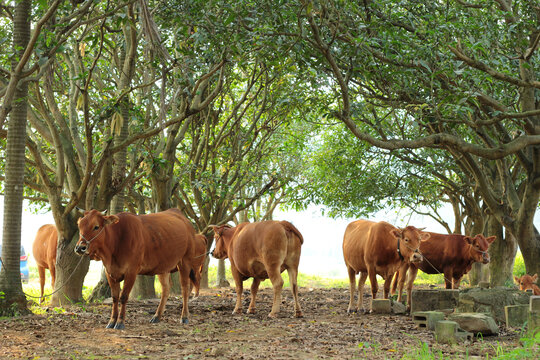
298	315
237	312
250	311
154	320
119	326
351	311
110	325
185	320
272	316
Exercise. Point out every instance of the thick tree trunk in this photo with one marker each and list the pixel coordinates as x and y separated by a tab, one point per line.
502	253
13	300
70	272
143	288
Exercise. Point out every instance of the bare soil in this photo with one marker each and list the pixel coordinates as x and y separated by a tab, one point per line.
325	332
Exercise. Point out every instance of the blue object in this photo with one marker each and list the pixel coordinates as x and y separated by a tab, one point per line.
25	274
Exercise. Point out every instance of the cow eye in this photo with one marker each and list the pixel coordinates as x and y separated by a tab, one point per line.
96	227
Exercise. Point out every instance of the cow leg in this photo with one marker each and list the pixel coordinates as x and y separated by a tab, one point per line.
448	278
129	281
456	282
254	290
352	289
239	286
41	271
115	293
52	270
401	276
374	286
361	282
165	287
413	271
293	278
386	287
277	284
184	270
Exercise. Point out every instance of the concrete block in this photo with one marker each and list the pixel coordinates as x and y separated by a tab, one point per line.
427	319
430	300
476	323
516	315
533	323
534	303
381	306
448	332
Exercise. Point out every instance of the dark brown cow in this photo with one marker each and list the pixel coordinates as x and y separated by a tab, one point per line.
261	250
449	254
44	252
527	282
199	257
377	248
131	245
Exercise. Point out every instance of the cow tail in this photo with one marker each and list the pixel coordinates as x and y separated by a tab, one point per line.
290	228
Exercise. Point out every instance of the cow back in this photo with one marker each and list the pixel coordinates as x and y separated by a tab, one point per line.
442	250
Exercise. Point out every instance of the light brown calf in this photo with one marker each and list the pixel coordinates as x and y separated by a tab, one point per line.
44	252
261	250
527	282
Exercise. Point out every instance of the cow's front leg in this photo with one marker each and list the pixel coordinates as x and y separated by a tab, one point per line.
277	284
254	290
238	284
115	293
129	281
413	271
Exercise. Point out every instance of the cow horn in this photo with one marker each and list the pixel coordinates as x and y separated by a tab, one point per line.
104	212
422	229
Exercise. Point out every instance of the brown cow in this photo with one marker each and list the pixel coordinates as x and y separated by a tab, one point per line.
44	252
527	282
131	245
199	257
449	254
377	248
261	250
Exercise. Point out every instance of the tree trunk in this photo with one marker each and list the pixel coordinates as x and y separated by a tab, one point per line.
13	300
204	275
143	288
70	271
102	290
502	253
221	278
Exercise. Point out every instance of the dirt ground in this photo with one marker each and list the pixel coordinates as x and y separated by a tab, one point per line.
325	332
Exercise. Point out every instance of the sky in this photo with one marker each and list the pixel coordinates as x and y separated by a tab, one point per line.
323	236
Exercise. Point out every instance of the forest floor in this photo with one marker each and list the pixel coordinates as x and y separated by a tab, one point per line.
325	332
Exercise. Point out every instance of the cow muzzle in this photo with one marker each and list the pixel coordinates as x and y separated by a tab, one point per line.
485	258
81	249
416	257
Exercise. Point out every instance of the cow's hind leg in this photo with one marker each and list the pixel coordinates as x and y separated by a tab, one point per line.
254	290
277	284
352	289
361	282
165	287
293	279
374	286
184	271
41	271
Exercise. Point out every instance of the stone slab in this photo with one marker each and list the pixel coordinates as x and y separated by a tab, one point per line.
427	319
476	323
516	315
534	303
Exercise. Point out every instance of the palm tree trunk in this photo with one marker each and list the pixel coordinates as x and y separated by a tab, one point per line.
13	301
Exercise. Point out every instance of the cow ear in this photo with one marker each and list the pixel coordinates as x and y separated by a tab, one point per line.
111	219
424	236
469	240
516	279
491	239
396	233
535	277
